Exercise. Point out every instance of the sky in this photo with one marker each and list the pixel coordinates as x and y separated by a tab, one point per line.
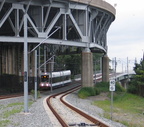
125	36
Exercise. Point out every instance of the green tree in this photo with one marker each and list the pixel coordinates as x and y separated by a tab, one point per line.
96	61
139	70
69	62
136	86
73	63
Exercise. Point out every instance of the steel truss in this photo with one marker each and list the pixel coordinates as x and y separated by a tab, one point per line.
81	25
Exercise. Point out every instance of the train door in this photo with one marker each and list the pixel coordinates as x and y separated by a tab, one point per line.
62	78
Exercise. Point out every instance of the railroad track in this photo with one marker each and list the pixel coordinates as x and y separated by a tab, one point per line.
10	96
68	115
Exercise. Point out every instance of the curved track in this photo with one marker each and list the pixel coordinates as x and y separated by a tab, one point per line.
90	121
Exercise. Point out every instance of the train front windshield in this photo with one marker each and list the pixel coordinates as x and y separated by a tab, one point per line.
44	78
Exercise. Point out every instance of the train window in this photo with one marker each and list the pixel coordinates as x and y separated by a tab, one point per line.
56	79
44	78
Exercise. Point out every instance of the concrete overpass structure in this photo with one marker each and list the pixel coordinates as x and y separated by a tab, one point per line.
63	25
124	78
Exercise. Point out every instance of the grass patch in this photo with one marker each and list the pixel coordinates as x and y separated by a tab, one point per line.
127	109
97	89
14	104
129	102
4	123
33	93
15	108
104	87
1	107
30	103
87	91
12	112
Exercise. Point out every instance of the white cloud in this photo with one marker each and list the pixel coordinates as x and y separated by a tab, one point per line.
126	33
133	50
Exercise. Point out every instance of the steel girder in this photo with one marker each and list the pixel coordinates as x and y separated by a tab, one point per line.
75	24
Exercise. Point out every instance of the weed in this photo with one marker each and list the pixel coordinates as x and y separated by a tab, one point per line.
12	112
15	108
86	92
14	104
127	109
4	123
33	93
1	107
102	86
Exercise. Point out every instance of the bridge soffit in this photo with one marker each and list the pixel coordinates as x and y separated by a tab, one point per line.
77	22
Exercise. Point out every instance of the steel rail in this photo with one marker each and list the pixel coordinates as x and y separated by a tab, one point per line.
62	122
92	119
48	100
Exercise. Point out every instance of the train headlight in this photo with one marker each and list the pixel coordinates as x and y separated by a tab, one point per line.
42	84
47	84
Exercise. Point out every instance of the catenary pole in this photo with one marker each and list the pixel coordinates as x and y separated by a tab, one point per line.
26	61
25	66
115	68
35	75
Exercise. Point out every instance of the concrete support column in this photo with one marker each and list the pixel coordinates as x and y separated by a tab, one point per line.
4	60
31	62
14	60
7	67
10	60
124	83
20	60
16	55
87	68
105	68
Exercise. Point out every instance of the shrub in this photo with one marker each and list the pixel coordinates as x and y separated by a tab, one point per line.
33	93
132	87
102	86
97	92
119	88
86	92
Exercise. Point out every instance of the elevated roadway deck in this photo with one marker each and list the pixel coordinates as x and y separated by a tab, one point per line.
82	23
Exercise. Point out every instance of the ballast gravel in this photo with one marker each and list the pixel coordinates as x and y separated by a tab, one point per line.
86	106
37	115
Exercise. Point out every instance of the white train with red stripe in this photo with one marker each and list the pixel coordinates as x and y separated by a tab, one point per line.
54	79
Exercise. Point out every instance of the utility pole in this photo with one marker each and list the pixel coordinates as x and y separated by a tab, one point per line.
26	60
115	67
127	66
35	75
25	66
95	72
122	68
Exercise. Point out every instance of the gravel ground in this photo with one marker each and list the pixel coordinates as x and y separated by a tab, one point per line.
37	116
86	105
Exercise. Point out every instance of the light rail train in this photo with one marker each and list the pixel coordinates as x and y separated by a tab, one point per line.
54	79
